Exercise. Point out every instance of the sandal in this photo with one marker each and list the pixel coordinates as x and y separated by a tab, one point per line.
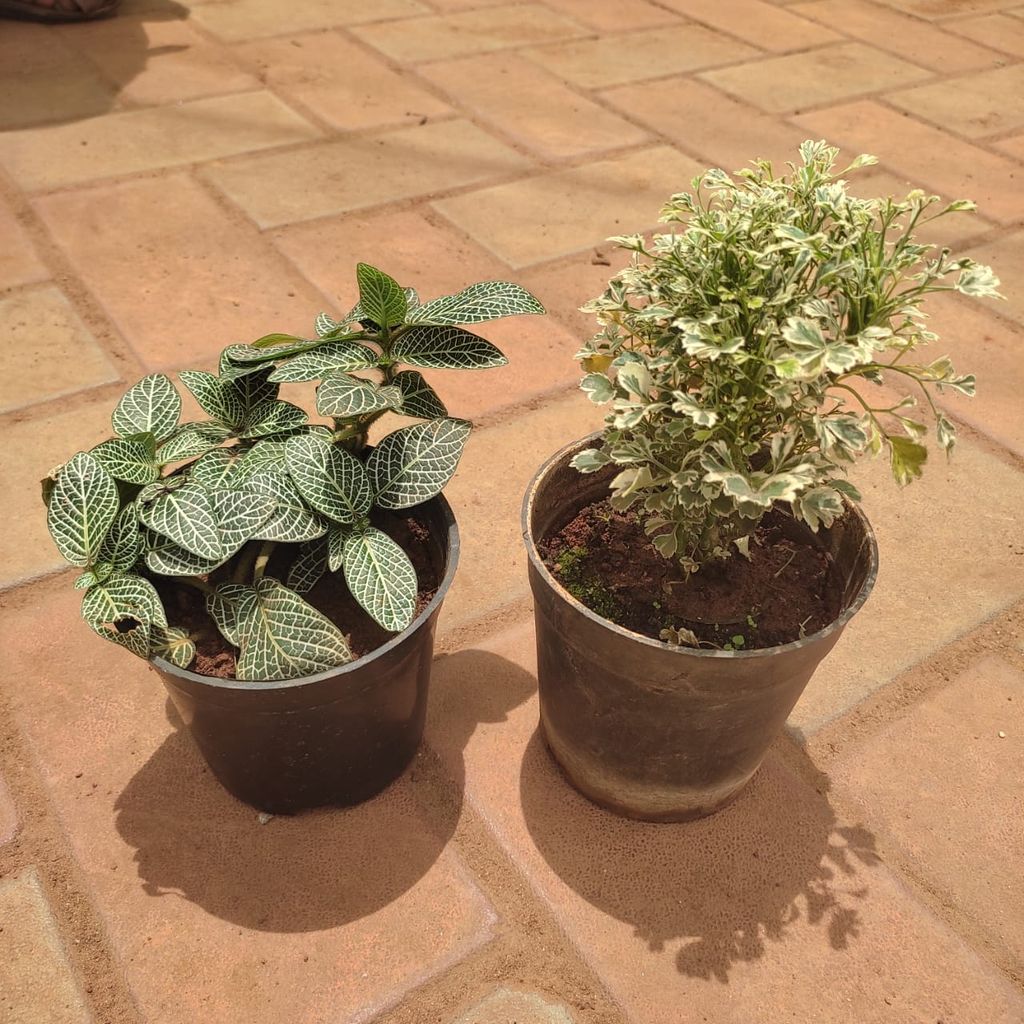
58	10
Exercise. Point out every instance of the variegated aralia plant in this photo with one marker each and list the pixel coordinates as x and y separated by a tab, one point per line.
739	353
208	503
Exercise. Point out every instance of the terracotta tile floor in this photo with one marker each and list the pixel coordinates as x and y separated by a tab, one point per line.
192	174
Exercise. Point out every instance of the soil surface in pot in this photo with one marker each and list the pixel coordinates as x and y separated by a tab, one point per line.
216	657
784	591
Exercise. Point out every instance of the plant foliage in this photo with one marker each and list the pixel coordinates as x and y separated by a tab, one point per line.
208	502
740	352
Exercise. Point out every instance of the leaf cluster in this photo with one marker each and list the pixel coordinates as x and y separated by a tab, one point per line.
206	503
740	351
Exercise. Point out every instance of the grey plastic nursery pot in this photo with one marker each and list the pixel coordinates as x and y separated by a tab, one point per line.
337	737
647	729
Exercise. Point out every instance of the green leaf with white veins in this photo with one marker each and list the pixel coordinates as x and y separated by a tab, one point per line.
292	519
415	463
132	459
325	324
309	567
185	515
153	406
279	635
381	297
240	514
343	396
122	609
164	556
273	416
219	468
82	507
123	543
335	355
336	538
445	348
418	397
331	479
173	644
217	397
488	300
190	441
381	578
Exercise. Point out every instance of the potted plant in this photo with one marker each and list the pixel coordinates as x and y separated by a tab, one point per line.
284	577
693	562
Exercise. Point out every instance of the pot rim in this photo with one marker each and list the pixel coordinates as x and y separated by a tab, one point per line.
449	525
762	652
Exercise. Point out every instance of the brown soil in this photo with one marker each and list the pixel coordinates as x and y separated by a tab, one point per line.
784	591
216	657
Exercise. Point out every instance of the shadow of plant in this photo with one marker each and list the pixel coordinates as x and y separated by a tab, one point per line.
313	871
55	74
721	888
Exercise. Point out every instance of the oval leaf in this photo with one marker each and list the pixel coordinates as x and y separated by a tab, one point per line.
82	507
418	397
307	569
381	578
132	459
335	355
292	519
415	463
186	516
381	297
445	348
331	479
343	396
488	300
152	406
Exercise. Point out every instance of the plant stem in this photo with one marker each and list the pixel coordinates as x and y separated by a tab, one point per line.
245	564
263	558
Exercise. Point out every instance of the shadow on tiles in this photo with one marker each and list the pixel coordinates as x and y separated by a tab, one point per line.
720	888
316	870
46	80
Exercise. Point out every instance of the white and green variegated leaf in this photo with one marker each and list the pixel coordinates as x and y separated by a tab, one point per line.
381	297
240	515
415	463
488	300
186	515
309	566
292	519
123	609
418	397
331	479
598	388
219	468
163	556
907	459
278	634
412	298
132	459
192	440
334	355
151	406
343	396
336	538
216	396
445	348
272	416
173	644
381	578
122	545
82	507
590	460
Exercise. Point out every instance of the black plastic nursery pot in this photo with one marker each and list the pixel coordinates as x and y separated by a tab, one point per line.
648	729
338	737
